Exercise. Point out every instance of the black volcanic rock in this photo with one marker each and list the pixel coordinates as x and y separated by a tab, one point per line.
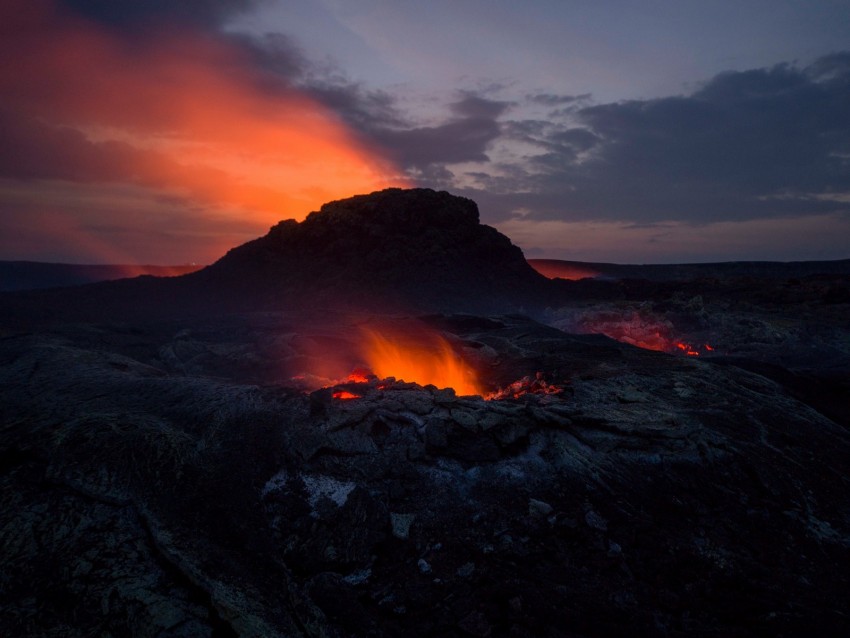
34	275
413	249
144	493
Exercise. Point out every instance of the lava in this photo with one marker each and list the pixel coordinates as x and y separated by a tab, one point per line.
360	375
637	328
425	357
345	395
526	385
694	351
379	355
412	353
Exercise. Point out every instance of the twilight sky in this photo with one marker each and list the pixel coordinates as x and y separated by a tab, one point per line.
167	131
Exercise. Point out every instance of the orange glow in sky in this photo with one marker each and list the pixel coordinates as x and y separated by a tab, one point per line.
182	115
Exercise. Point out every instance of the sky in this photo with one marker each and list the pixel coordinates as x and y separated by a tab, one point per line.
660	131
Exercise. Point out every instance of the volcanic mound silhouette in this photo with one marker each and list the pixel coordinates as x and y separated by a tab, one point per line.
416	248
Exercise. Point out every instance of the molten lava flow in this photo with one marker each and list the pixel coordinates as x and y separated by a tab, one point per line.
423	357
526	385
360	375
694	351
638	328
345	395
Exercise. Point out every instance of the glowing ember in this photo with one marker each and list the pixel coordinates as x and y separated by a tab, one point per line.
345	395
361	375
425	358
526	385
638	328
694	351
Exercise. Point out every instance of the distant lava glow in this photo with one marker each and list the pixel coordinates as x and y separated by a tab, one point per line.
637	328
691	351
555	269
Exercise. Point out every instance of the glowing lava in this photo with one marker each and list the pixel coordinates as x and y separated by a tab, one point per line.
361	375
693	351
425	358
345	395
638	328
527	385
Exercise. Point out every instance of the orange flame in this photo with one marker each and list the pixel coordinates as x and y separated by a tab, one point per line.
425	359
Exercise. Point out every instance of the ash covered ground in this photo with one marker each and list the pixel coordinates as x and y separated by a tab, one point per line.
171	466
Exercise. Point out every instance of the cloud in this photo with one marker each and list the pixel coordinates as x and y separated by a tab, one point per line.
762	143
203	120
143	13
462	137
78	222
461	140
553	100
475	106
366	111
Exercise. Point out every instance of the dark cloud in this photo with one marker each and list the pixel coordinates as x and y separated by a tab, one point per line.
463	140
274	53
578	139
474	106
551	99
760	143
141	13
367	111
376	116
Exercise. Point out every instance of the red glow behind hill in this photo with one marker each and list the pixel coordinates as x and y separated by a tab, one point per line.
170	117
556	269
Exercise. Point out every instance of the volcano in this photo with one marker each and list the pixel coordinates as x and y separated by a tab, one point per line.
414	250
381	421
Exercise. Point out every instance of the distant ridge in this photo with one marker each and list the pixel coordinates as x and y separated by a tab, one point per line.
562	269
36	275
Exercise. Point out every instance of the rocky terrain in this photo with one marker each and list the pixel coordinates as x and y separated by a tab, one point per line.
173	474
33	275
769	270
